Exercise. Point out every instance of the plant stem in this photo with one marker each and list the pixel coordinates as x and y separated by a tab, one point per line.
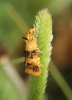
43	26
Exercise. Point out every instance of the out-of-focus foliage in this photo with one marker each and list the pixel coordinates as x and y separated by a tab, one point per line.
16	16
10	33
8	90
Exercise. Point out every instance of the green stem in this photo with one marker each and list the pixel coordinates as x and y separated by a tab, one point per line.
43	26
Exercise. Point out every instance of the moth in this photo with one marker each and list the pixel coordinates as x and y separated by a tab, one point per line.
31	53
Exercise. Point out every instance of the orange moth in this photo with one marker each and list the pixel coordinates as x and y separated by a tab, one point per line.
31	53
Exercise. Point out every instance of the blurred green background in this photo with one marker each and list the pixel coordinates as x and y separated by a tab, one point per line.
16	17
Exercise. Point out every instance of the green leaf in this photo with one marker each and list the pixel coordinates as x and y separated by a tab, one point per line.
43	26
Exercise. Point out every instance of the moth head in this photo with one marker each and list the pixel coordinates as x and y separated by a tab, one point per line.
29	35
